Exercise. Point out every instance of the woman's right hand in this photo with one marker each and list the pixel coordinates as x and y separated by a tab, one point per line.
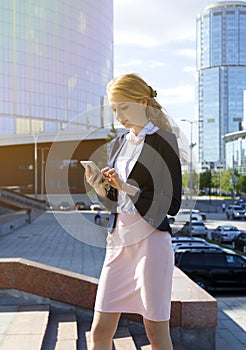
96	180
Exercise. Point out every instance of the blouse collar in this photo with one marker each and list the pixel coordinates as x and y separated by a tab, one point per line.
148	129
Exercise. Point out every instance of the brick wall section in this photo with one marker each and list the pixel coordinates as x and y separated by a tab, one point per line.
191	306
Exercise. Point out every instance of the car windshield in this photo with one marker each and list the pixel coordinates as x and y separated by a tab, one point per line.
230	228
197	224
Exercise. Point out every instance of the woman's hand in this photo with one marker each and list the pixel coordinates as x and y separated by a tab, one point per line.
112	178
96	180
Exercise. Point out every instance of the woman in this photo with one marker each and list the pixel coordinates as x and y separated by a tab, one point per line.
143	185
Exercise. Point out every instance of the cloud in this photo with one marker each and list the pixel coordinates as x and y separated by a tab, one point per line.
131	63
131	38
189	69
154	64
177	95
138	62
139	23
190	53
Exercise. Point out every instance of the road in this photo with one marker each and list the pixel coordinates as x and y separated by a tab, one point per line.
231	329
214	220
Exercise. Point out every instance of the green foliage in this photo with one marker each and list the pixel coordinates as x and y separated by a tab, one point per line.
216	180
205	180
186	180
222	180
112	135
242	184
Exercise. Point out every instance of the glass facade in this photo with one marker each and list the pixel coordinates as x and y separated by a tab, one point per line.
221	64
235	144
56	58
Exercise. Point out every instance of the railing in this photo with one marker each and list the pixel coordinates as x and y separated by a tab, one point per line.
21	199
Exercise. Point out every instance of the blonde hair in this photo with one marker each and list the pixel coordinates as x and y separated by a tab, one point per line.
133	86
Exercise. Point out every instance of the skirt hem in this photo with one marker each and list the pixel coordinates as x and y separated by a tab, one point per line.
154	319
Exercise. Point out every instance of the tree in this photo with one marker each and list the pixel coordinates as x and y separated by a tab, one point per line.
242	184
205	180
112	134
216	180
186	180
225	180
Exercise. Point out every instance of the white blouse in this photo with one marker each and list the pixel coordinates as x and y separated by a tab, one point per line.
125	162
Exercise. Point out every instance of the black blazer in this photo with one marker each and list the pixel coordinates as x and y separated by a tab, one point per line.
157	173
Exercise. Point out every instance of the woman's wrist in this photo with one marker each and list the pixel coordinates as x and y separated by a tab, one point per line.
101	191
129	189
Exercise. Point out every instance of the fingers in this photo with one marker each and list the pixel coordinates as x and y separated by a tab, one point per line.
109	172
113	178
94	179
105	170
107	175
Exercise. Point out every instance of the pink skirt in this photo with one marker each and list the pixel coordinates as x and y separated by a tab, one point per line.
137	273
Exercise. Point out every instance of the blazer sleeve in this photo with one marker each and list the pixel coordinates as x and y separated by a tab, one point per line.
174	167
159	179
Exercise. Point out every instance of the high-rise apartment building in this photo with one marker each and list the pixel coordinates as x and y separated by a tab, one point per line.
55	61
221	64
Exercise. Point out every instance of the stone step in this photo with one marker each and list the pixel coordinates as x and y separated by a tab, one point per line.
34	327
123	339
24	328
67	332
62	332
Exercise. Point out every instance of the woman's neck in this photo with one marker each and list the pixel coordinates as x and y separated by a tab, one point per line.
137	129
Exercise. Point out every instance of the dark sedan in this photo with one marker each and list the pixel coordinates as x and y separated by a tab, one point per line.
239	242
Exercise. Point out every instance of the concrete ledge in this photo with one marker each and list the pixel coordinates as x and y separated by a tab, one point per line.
47	281
193	311
191	305
13	221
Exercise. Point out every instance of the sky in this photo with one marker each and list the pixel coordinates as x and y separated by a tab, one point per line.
157	39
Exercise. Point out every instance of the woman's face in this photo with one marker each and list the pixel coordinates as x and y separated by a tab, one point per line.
128	112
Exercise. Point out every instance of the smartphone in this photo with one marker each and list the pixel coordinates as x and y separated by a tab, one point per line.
94	168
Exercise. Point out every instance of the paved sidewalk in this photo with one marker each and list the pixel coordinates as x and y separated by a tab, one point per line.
231	329
71	240
68	240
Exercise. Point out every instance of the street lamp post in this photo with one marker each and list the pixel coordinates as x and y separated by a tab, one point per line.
43	149
192	145
35	137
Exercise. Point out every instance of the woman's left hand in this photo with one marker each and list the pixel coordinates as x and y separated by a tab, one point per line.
112	177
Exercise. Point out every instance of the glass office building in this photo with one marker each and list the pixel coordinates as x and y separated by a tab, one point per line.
235	144
56	58
221	64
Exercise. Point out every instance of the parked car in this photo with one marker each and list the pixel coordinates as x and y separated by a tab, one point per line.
64	206
241	202
97	206
239	242
82	206
225	233
203	215
184	215
235	212
50	206
185	239
198	228
214	269
192	245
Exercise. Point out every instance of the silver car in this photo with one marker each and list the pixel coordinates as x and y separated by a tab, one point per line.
198	245
197	229
235	212
225	233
